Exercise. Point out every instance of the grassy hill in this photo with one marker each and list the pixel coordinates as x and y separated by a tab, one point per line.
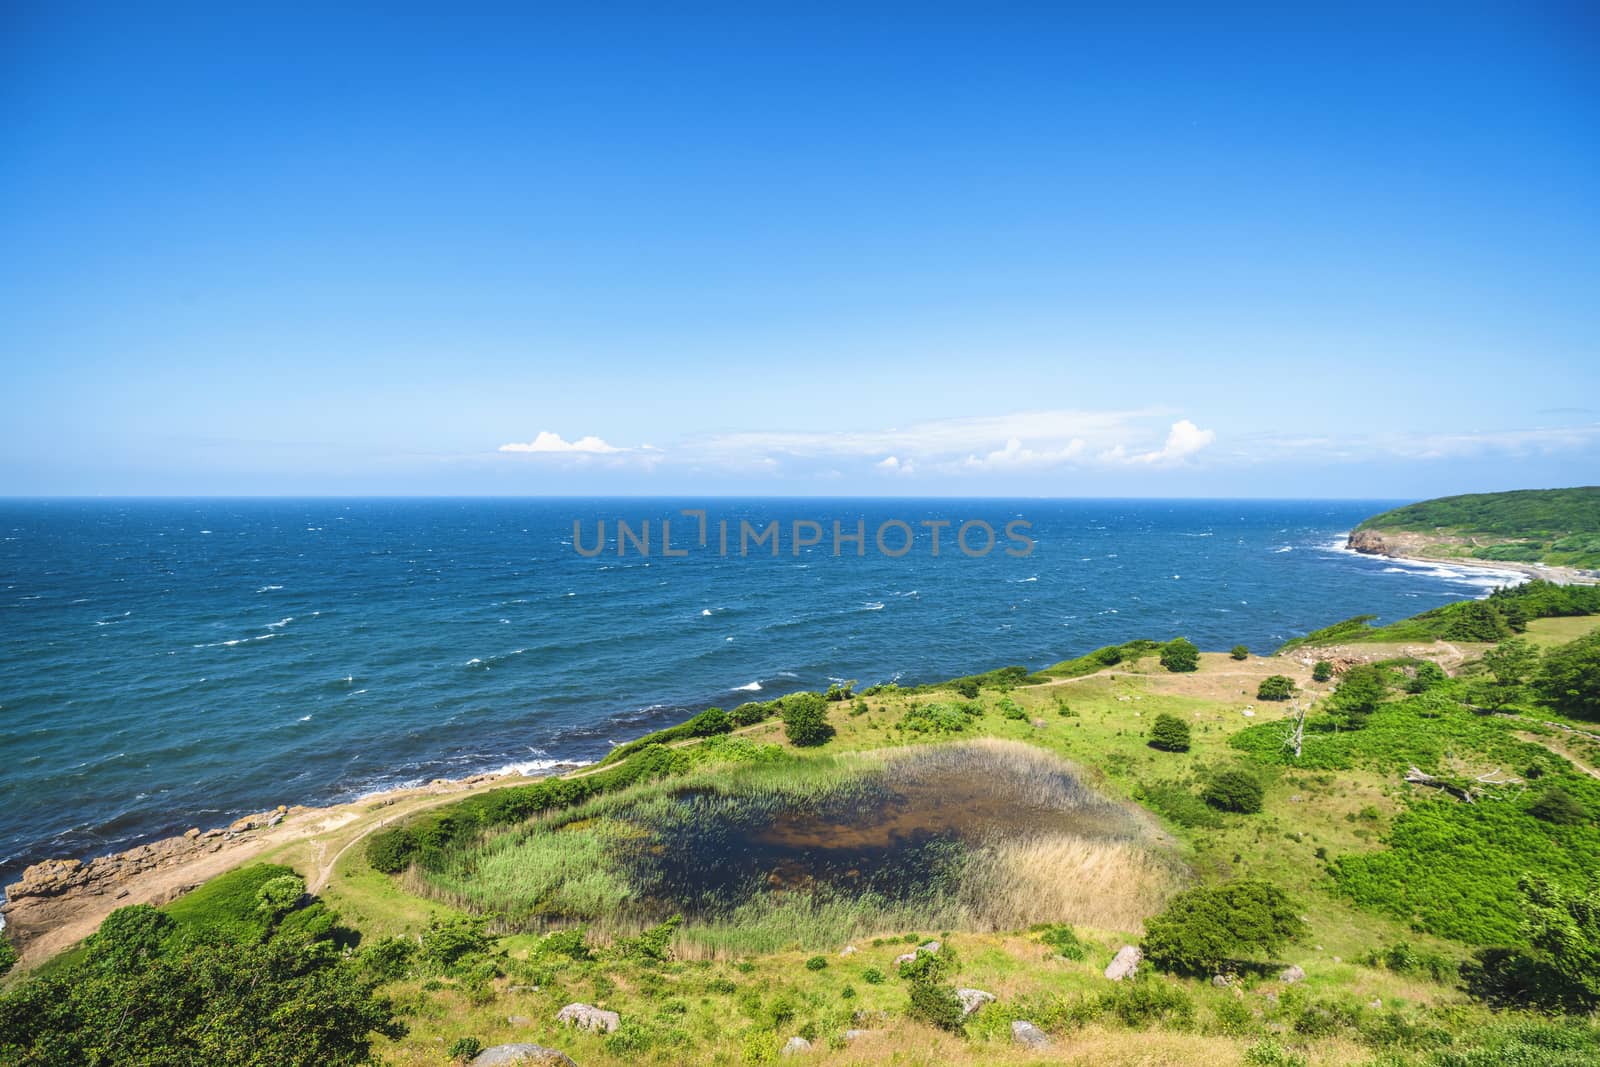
1556	526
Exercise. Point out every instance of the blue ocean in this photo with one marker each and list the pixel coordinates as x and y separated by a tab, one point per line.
167	664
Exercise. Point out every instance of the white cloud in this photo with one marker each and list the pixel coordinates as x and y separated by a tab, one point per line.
1183	441
892	465
548	442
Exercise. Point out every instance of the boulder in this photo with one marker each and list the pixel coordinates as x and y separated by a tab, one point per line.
852	1035
848	950
1125	963
931	946
1292	974
1028	1035
1221	981
907	958
973	999
521	1055
795	1045
589	1017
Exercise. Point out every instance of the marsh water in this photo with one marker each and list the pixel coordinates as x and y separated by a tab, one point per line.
899	832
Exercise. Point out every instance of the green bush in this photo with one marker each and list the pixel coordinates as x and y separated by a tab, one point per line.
817	963
751	712
1178	803
1569	678
873	976
464	1048
805	720
654	944
1203	929
1239	652
1011	710
1275	687
1429	675
1556	805
8	956
1360	692
1146	1002
1063	939
1321	671
1237	791
1180	655
1169	733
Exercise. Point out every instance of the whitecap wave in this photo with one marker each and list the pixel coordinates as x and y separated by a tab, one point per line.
753	687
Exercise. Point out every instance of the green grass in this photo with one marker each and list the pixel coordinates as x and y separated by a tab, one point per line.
226	905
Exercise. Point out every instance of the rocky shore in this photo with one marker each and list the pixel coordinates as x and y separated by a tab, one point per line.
1412	547
57	902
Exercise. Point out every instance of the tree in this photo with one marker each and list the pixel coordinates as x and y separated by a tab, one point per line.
1240	652
1322	671
1179	655
1275	687
1203	929
1360	692
805	720
1565	926
1512	661
1234	791
1169	733
1569	678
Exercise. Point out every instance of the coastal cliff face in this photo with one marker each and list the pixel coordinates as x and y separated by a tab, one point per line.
1369	542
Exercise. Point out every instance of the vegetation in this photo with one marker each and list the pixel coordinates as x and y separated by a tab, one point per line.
1180	654
1569	678
1321	671
1276	687
1217	928
1238	791
1558	526
1239	652
805	720
1169	733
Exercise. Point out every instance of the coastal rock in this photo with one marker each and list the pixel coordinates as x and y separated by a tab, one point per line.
1290	975
931	946
589	1017
1369	542
795	1045
973	999
521	1055
1125	963
1221	981
1028	1035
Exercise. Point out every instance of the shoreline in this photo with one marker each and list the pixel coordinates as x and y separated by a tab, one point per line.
60	901
1557	574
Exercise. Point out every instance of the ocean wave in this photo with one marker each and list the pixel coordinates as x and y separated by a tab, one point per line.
281	623
530	768
872	605
752	687
1284	548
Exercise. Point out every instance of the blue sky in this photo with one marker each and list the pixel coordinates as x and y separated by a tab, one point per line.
922	249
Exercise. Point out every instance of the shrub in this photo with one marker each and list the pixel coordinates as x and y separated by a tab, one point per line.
936	1004
655	944
453	941
1143	1003
1569	678
464	1048
1275	687
1204	928
1556	805
1176	802
1063	939
389	958
1237	791
817	963
1360	692
1109	656
1321	671
1428	675
1239	652
278	896
805	720
967	687
569	943
1169	733
390	851
873	976
1010	709
750	713
8	956
1180	655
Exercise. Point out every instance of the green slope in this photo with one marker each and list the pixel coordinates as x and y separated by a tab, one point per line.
1555	526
